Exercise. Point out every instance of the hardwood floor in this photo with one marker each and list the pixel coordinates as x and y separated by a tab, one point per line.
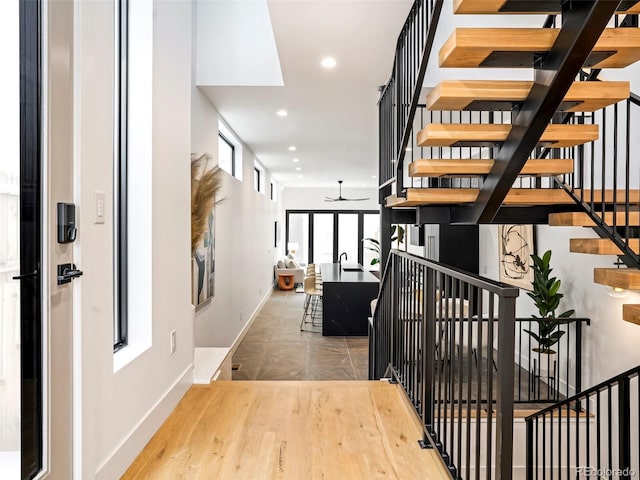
289	430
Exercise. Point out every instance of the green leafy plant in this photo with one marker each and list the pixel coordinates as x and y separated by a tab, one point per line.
374	245
546	296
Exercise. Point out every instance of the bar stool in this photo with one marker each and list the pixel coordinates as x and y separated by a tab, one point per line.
312	302
311	271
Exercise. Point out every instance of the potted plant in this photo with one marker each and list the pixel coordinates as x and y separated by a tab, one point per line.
546	296
374	245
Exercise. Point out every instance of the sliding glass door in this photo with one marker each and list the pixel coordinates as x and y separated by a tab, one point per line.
322	235
323	245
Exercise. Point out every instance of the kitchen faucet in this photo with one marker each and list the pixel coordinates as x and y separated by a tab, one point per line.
340	257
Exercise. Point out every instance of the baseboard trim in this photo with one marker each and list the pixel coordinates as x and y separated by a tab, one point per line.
236	343
131	446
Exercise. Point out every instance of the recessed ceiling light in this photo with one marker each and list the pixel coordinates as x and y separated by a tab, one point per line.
299	176
408	149
292	148
373	176
298	169
295	160
328	62
282	113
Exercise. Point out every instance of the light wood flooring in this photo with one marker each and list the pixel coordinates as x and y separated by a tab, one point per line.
301	430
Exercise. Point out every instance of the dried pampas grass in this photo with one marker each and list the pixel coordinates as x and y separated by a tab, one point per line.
205	185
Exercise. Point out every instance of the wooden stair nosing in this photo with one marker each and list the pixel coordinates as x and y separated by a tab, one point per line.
451	196
448	134
581	219
627	278
460	94
426	167
516	197
492	7
599	246
631	313
470	47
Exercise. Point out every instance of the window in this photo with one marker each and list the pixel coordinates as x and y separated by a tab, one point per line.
120	333
133	139
259	177
229	151
226	155
272	190
323	234
256	179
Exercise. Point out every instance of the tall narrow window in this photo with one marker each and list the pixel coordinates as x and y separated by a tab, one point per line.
256	179
120	330
133	180
226	155
272	191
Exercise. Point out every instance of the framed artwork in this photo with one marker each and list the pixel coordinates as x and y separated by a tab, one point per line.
203	267
515	246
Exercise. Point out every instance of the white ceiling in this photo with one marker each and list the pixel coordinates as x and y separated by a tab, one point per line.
332	113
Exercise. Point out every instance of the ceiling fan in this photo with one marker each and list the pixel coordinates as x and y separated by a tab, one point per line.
340	198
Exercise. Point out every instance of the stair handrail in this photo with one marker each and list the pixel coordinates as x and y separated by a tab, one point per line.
595	210
584	393
399	96
417	298
540	435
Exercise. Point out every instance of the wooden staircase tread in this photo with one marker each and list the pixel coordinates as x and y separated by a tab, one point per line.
474	134
627	278
599	246
631	313
516	197
477	47
428	167
581	219
607	196
504	94
451	196
492	7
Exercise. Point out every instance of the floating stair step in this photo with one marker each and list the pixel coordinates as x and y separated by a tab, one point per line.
518	47
599	246
489	7
474	134
607	196
631	313
429	167
627	278
451	196
505	94
581	219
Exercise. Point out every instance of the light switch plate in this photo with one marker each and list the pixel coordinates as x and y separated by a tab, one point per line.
99	207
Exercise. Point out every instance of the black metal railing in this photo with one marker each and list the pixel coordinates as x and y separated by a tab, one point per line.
595	433
399	97
606	174
448	337
543	378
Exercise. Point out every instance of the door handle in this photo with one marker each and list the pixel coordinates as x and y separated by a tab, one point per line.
67	272
26	275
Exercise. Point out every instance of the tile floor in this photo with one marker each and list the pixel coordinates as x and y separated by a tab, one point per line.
275	348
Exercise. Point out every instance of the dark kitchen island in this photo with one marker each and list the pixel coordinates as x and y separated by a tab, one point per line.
346	299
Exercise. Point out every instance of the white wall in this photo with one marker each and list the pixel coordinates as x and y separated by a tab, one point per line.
610	344
120	411
245	250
